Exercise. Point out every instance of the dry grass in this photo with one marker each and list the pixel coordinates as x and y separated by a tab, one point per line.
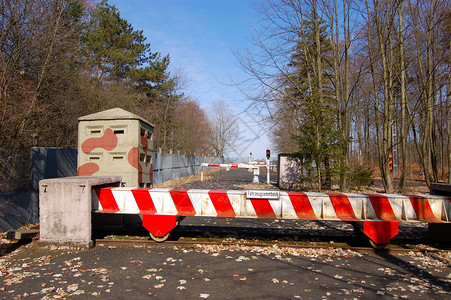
256	186
412	187
176	183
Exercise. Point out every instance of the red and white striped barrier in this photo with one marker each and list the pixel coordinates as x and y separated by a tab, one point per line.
228	166
220	165
242	166
379	214
282	205
264	163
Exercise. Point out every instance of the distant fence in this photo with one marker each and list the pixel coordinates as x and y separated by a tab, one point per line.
170	166
16	197
62	162
19	202
15	168
53	163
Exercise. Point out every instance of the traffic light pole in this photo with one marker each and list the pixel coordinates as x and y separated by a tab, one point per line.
268	156
267	171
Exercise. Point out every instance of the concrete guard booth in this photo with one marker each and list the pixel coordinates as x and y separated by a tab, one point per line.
116	142
114	149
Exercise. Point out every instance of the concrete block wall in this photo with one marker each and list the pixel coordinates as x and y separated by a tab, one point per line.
65	208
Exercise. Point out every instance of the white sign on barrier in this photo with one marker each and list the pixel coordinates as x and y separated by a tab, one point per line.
263	194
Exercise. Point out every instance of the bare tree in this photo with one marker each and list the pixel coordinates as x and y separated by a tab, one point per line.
386	79
286	125
405	121
191	129
36	43
380	48
448	104
430	54
224	128
301	75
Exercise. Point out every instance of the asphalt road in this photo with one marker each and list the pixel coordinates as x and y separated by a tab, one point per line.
162	272
233	179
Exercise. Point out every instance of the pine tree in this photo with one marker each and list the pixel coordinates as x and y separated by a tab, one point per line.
309	91
116	52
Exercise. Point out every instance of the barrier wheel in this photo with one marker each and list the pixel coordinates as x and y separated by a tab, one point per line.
160	239
378	246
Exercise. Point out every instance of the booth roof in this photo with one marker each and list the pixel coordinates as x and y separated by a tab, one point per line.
113	114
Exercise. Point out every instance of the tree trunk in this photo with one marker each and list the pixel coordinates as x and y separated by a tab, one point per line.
346	96
404	120
427	143
35	94
319	85
385	141
335	37
448	118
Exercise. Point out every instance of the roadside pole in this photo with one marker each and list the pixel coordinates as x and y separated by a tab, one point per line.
268	156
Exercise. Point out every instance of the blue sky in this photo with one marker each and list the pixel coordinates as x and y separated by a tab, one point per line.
200	37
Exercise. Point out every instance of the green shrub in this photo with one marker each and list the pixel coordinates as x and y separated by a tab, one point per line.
361	176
